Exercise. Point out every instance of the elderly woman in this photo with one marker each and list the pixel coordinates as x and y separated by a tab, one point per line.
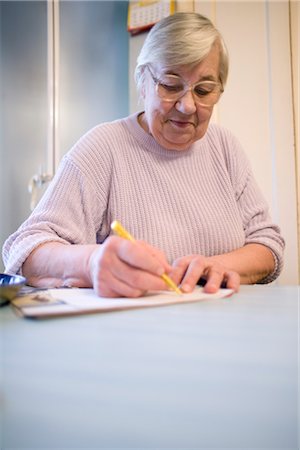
180	184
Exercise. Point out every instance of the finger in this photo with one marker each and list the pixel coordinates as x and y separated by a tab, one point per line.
107	285
233	281
176	274
157	254
136	278
217	278
179	268
214	277
194	271
137	255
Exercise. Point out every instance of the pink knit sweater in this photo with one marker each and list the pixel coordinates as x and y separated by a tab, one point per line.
203	200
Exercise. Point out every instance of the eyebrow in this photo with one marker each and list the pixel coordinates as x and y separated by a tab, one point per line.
203	78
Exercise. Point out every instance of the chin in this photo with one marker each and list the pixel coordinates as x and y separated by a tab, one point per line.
177	142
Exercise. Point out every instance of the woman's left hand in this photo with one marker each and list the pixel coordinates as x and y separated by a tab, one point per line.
187	271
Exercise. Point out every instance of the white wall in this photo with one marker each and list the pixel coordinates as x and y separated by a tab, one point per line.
257	103
257	106
295	53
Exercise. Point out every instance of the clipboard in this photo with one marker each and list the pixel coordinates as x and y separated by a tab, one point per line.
77	301
142	15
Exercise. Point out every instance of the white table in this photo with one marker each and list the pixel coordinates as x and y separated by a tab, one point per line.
215	374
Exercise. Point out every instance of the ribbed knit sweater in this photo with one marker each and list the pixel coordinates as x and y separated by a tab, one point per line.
200	201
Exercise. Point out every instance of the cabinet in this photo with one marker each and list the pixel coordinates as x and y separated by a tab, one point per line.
92	86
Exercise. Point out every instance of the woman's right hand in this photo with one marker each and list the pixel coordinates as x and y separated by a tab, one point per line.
121	268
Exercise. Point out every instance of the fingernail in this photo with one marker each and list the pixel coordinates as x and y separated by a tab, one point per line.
211	288
186	288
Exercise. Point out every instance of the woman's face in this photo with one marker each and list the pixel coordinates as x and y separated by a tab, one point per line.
176	125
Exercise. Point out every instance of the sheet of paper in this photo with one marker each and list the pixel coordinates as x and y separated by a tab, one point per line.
59	302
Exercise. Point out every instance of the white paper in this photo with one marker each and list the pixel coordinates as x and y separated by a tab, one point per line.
57	302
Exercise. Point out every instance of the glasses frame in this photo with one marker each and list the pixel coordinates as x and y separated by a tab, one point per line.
188	87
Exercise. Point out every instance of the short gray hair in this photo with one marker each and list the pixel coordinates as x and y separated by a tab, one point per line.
184	38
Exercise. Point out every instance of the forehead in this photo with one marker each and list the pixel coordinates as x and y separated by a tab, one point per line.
208	68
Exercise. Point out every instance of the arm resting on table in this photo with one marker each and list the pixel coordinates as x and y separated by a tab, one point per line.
253	262
58	265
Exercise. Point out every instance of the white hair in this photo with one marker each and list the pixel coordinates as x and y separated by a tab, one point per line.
178	40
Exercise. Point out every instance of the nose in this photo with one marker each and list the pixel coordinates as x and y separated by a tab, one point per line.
186	104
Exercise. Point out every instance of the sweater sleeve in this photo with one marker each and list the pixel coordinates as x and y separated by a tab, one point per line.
254	210
71	210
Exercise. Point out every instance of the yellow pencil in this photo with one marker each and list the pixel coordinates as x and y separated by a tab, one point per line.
120	231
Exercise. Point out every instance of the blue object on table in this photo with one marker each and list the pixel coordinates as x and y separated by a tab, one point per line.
10	285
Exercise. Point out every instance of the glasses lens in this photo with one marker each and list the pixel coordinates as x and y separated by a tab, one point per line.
207	92
171	89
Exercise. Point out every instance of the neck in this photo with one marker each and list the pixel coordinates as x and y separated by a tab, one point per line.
142	122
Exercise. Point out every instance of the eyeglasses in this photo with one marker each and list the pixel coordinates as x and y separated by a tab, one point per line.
171	88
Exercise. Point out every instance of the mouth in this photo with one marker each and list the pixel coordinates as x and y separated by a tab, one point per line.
181	123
